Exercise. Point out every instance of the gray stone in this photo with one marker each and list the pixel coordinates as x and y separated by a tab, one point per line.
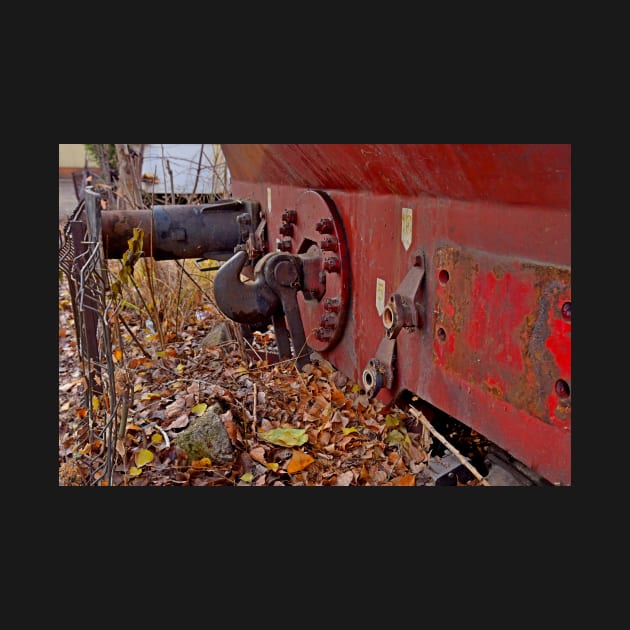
220	334
206	436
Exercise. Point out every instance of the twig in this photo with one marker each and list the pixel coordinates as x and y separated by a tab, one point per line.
170	175
297	371
192	194
420	416
122	429
135	339
254	410
161	430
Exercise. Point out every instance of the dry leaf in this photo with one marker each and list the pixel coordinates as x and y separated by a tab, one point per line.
299	461
258	455
120	447
143	456
345	479
285	436
404	480
175	408
179	423
204	462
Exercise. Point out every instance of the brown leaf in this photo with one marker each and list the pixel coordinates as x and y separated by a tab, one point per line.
175	408
232	429
404	480
179	423
345	479
337	397
258	455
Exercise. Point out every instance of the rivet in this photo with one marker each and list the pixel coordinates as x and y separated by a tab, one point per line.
324	226
289	216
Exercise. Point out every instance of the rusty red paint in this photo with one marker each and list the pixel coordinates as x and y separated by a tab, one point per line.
558	409
534	174
493	385
443	348
507	299
559	341
445	303
497	220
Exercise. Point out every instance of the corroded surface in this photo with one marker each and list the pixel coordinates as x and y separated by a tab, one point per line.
499	324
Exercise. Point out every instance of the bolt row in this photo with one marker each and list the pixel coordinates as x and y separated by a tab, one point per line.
329	320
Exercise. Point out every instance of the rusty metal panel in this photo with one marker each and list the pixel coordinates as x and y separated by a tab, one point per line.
504	325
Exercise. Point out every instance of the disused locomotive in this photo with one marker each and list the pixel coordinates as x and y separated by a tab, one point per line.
441	271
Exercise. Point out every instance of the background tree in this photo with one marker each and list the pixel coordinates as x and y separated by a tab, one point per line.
129	157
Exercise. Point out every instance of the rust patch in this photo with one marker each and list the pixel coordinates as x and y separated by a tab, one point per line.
498	324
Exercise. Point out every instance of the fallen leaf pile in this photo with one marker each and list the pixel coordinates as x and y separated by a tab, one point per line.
287	427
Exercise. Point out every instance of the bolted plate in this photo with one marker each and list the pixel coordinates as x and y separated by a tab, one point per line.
318	233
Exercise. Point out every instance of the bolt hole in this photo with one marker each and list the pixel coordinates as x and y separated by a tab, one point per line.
441	333
444	276
566	311
388	317
562	388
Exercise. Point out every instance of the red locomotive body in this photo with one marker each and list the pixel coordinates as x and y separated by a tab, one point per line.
439	270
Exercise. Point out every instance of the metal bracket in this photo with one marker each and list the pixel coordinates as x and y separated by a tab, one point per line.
404	309
283	273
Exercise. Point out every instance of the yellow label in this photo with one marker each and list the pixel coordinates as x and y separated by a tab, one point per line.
380	295
405	232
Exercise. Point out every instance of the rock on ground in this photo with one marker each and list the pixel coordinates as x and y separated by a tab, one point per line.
206	436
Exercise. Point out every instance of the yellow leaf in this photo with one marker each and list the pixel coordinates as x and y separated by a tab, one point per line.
143	456
150	396
273	466
199	409
299	461
180	367
96	403
394	437
285	436
157	438
134	472
347	430
117	355
392	420
160	354
247	477
204	462
137	388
